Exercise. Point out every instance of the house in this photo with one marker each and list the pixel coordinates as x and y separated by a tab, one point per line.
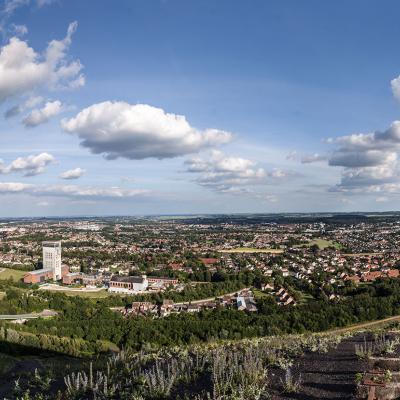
209	261
80	278
176	266
193	308
393	273
371	276
267	286
240	303
161	280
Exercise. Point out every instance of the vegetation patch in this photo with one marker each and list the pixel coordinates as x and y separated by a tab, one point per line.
8	273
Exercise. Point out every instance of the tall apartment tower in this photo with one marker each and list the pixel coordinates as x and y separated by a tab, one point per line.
52	258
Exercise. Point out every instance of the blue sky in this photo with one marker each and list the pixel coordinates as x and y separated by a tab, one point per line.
284	105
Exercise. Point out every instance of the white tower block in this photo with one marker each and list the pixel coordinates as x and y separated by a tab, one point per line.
52	258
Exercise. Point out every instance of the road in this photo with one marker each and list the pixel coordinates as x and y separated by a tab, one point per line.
44	313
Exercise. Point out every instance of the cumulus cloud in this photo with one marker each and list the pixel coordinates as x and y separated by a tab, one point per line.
71	191
23	70
17	109
369	160
119	129
231	174
42	115
75	173
29	166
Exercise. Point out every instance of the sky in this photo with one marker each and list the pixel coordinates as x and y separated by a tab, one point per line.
132	107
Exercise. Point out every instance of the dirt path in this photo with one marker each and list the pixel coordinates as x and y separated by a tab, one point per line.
365	325
44	313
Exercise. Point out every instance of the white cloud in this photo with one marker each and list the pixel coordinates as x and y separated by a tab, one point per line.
231	174
73	173
305	158
370	160
23	70
42	115
17	109
395	85
312	158
118	129
29	166
71	191
19	30
11	5
9	8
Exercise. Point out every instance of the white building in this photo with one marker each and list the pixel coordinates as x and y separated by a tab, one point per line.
128	284
52	258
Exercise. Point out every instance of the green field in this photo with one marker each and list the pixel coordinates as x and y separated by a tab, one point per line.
88	294
8	273
252	250
322	244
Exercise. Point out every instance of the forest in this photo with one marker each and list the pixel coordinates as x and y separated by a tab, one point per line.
87	326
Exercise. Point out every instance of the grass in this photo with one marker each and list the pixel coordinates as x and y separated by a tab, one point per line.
8	273
252	250
305	298
322	244
93	295
100	294
258	294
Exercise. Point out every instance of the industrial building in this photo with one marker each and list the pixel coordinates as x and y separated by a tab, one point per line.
128	284
52	266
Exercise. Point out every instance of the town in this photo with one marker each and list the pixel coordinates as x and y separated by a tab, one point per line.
293	262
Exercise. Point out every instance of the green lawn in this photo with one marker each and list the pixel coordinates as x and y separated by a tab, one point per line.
8	273
258	294
252	250
322	244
